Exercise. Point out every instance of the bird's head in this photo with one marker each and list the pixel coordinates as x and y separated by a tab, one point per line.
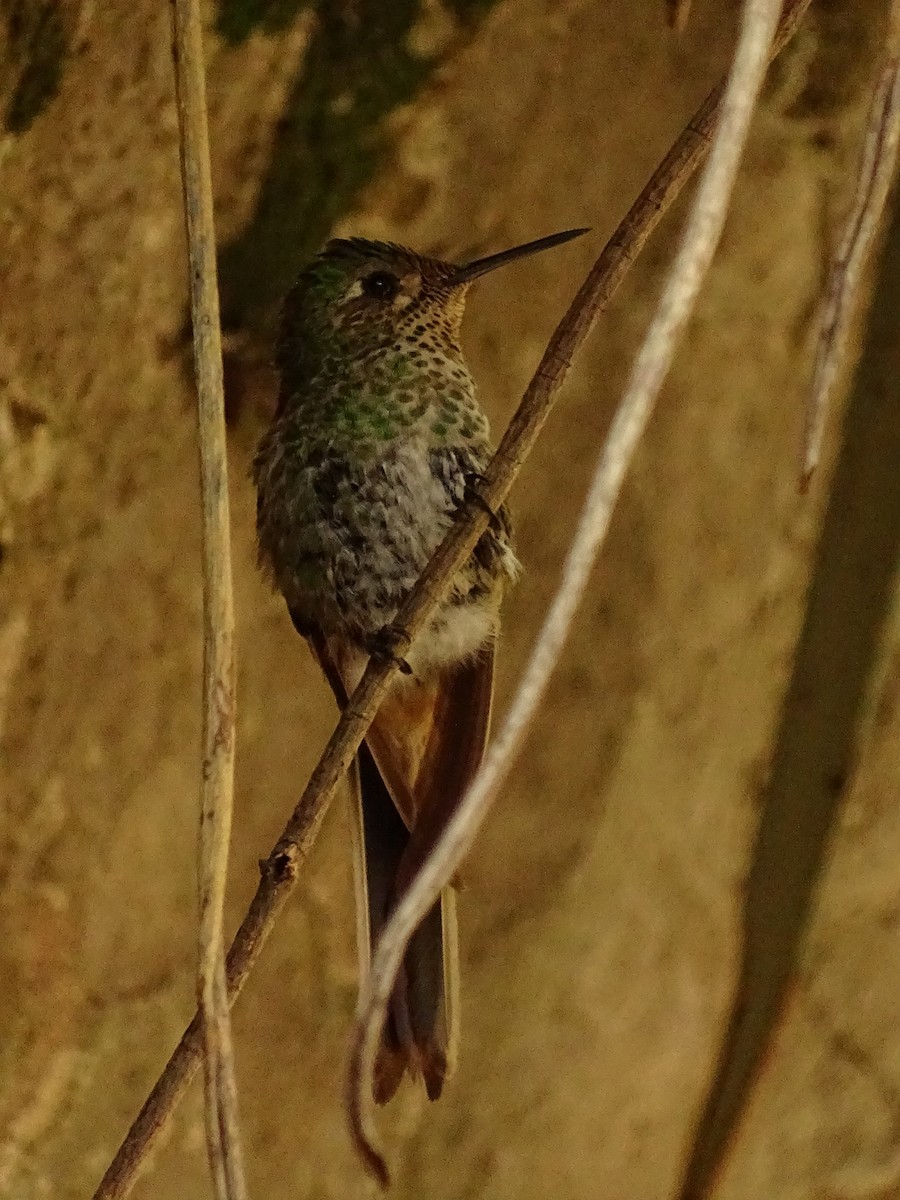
358	297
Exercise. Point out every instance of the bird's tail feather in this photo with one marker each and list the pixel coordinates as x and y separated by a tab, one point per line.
420	1034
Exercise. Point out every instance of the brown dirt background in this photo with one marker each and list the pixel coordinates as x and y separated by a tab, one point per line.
601	913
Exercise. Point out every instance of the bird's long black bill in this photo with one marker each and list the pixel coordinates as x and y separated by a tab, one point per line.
481	266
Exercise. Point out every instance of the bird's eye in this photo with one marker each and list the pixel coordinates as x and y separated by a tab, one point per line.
381	285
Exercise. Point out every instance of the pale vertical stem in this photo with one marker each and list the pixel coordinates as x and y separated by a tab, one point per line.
701	237
679	13
876	174
217	770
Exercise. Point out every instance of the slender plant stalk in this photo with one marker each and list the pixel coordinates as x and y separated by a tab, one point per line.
279	871
701	237
877	170
217	769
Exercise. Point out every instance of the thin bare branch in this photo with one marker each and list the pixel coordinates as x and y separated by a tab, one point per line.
217	773
704	228
877	170
279	871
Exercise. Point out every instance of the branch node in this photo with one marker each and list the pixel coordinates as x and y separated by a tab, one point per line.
280	867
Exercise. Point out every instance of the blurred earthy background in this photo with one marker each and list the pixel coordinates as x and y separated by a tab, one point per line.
601	911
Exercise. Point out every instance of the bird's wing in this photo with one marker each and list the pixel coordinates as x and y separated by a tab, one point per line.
427	738
460	716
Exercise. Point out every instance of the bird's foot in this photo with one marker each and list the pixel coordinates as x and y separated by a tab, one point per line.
386	643
471	495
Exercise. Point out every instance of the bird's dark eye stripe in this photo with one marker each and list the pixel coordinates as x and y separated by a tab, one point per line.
381	285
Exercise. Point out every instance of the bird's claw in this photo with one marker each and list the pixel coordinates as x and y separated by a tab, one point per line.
471	495
385	643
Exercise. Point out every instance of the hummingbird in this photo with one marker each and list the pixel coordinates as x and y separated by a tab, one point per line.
376	442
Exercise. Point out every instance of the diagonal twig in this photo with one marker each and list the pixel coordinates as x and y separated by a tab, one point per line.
876	174
279	870
217	770
701	237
